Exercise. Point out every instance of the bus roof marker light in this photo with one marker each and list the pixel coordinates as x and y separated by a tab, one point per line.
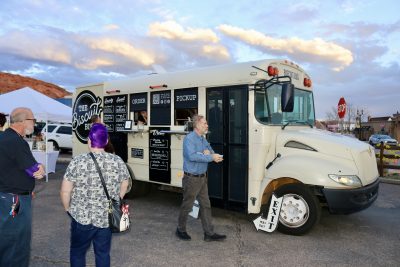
307	82
113	91
158	86
272	71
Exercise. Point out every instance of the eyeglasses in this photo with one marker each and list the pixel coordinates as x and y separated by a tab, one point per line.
34	120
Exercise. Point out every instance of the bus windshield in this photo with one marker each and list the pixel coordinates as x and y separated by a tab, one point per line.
268	107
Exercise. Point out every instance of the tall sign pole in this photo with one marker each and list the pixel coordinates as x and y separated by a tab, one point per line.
341	112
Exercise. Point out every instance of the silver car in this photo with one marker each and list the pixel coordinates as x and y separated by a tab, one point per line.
382	138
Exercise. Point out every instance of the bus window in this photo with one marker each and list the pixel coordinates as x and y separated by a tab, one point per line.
184	115
160	111
186	103
268	106
141	117
138	108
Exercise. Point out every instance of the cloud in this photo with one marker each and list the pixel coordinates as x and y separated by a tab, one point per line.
215	51
300	12
194	41
316	50
361	29
36	47
48	46
91	64
121	48
111	27
173	31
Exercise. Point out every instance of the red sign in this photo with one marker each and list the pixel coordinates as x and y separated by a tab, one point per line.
341	108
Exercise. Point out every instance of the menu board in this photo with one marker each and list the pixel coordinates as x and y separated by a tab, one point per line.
186	98
159	155
138	102
115	112
160	112
137	153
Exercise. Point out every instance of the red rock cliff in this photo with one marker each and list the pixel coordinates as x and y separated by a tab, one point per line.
10	82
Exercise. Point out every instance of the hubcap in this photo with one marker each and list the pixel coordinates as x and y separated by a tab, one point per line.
294	212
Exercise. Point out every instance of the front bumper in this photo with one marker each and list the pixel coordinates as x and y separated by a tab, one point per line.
351	200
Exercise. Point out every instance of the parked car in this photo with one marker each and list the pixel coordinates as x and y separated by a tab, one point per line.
379	138
59	134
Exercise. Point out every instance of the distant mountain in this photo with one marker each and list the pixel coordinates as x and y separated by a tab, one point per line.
11	82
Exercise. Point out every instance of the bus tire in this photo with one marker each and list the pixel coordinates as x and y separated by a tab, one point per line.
136	188
300	209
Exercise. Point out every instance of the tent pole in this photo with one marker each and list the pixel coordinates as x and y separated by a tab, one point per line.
47	171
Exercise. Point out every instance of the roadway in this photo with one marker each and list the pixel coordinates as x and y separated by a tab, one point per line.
367	238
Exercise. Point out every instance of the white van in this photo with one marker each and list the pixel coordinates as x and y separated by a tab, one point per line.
261	118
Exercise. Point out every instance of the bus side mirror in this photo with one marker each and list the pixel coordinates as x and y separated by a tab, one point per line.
287	97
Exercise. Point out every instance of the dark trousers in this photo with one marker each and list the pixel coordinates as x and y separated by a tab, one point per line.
195	187
15	232
81	238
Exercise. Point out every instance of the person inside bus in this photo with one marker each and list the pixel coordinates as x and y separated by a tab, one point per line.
197	153
142	119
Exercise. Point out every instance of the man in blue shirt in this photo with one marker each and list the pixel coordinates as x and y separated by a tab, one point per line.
197	153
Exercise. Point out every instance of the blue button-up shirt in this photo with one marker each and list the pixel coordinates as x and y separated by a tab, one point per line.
194	161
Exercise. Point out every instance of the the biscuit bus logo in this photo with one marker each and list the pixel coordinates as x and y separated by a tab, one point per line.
85	106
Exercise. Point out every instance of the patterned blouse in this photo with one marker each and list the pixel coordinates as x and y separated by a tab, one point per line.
89	204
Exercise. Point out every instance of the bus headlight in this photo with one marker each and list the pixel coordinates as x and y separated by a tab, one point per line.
349	180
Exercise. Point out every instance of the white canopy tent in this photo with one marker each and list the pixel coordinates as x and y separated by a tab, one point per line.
43	107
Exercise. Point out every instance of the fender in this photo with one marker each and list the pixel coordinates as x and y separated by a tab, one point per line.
311	169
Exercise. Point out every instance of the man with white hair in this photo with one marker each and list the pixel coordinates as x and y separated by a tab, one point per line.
197	153
19	170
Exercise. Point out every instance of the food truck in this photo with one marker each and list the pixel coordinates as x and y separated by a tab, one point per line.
261	117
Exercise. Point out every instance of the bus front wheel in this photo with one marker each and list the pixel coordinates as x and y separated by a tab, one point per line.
300	209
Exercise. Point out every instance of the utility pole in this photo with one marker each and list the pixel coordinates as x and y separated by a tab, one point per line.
360	113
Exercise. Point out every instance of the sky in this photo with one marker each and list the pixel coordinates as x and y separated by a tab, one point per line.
350	49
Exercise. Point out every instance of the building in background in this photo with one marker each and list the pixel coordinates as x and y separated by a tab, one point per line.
389	125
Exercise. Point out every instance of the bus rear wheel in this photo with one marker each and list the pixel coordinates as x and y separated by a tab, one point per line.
300	209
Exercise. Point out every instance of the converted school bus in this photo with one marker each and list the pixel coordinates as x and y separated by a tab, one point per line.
261	117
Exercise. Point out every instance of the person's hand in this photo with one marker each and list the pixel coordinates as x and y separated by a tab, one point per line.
206	152
39	174
217	158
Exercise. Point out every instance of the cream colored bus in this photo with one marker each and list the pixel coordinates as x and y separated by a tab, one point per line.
261	118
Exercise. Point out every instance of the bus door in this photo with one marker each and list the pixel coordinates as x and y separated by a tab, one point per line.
227	116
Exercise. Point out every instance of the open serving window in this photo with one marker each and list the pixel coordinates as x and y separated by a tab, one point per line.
186	105
138	109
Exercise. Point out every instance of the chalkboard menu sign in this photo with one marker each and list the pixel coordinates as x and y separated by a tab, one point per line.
186	98
115	112
159	155
160	108
137	153
138	102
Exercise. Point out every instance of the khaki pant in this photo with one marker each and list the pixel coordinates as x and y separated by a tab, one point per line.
195	188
